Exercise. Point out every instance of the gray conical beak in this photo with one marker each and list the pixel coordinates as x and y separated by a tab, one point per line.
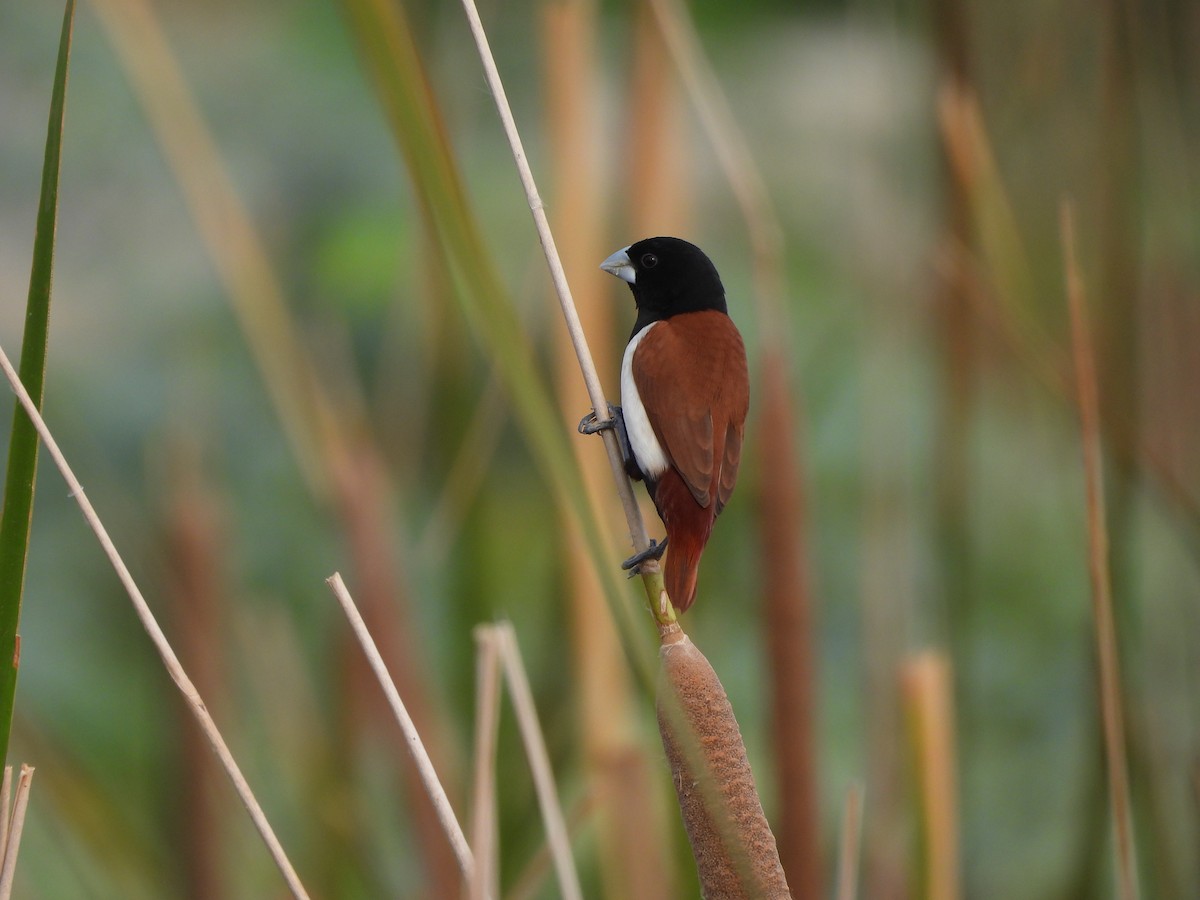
620	265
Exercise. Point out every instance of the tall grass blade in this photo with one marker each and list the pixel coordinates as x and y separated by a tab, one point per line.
1109	674
23	444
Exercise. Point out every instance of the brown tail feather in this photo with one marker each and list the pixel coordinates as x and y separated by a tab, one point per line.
680	574
688	527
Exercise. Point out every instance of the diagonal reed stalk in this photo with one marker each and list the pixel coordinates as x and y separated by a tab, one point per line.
190	695
736	161
591	378
497	649
225	226
391	58
429	775
1109	675
330	443
1001	269
21	472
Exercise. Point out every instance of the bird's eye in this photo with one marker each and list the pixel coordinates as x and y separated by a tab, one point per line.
649	260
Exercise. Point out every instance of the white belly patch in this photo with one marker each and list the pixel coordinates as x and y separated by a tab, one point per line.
646	449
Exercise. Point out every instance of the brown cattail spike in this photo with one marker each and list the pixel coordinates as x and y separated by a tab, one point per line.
733	845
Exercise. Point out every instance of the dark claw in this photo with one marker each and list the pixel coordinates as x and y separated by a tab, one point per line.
654	551
589	424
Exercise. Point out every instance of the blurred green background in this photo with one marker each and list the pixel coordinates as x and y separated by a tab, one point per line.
931	385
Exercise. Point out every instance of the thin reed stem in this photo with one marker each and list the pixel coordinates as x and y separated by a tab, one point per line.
633	516
428	774
161	644
488	643
5	799
16	824
539	763
927	681
1106	636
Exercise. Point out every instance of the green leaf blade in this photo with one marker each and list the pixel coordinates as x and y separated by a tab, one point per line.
21	471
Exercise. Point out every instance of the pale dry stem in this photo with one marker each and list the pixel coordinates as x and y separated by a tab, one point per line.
484	837
14	825
633	517
161	644
539	763
411	737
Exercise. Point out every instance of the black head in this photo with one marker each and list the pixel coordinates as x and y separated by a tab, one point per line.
668	276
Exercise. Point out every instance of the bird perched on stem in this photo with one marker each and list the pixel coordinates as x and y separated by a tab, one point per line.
685	391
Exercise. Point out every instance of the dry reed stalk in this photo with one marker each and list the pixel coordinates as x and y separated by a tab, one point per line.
238	253
788	608
887	606
657	151
161	644
632	863
485	879
731	841
637	528
362	490
736	161
195	552
309	417
412	737
1109	675
927	681
16	824
529	884
5	800
955	332
1120	326
850	846
969	152
539	763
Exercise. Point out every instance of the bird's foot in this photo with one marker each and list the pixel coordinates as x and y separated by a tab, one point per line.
589	424
654	551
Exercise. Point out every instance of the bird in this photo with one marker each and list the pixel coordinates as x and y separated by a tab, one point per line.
685	393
